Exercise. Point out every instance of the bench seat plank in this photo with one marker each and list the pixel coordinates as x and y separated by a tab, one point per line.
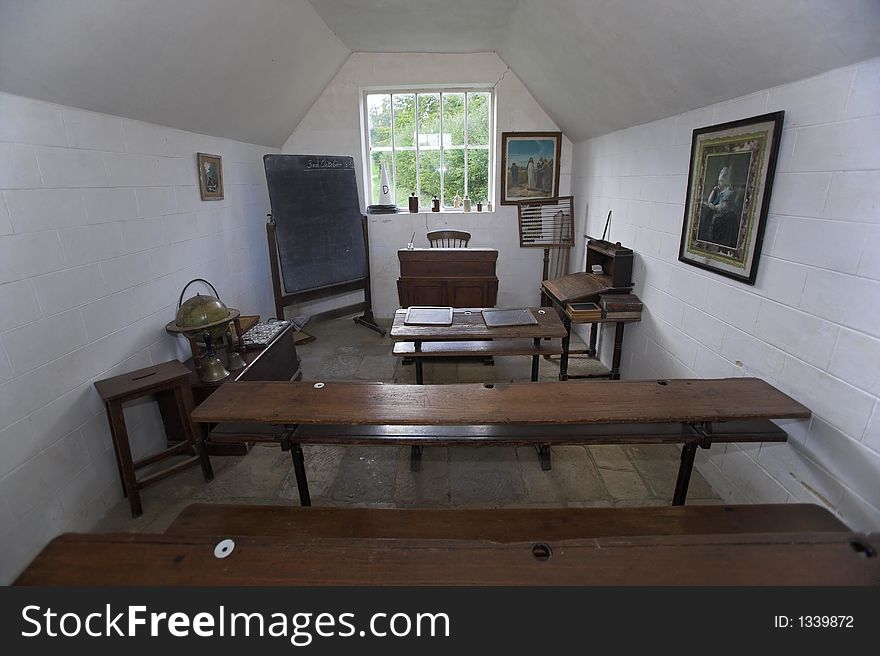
498	524
578	402
826	558
498	347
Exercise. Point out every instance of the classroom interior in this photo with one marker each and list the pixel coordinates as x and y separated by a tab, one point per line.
105	218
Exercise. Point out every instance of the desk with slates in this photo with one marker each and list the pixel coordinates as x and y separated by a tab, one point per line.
578	288
468	335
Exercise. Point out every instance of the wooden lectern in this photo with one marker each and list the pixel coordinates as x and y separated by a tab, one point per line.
448	277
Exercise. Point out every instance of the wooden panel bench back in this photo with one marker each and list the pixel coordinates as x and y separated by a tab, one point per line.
580	402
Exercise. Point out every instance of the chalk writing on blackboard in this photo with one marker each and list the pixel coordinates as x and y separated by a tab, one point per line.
325	164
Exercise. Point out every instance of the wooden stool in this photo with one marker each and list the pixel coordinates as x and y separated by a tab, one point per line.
166	378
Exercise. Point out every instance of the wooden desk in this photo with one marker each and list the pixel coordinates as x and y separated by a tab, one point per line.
788	544
448	277
513	414
583	287
469	335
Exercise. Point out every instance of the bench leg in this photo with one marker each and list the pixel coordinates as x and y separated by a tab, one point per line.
418	371
415	458
594	335
544	456
688	453
184	399
299	469
535	360
566	341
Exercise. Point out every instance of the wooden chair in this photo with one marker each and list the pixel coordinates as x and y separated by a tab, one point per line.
449	238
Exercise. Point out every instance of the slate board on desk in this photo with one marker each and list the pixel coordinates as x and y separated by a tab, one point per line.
423	315
513	317
318	220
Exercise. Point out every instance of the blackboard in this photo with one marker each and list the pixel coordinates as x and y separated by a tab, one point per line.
319	229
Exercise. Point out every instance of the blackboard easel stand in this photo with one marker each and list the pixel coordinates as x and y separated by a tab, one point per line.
283	299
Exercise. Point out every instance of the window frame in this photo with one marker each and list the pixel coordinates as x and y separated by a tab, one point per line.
426	89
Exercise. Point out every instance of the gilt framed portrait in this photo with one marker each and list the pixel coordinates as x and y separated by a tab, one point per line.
210	176
530	166
728	193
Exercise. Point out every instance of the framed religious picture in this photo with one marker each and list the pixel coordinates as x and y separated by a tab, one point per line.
728	193
210	177
529	166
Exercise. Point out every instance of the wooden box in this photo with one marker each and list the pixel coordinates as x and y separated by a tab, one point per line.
616	261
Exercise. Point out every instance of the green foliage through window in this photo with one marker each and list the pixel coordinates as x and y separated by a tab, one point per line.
432	143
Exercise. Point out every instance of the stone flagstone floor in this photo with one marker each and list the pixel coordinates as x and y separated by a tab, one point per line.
607	475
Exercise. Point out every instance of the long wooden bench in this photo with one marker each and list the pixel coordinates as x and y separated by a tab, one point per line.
420	351
498	347
499	524
690	412
699	545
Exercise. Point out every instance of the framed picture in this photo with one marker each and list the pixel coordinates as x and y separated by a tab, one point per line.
731	174
529	166
210	177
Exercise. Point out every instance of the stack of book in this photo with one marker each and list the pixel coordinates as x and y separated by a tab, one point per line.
617	307
584	312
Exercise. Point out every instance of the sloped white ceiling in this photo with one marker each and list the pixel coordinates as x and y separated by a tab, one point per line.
418	25
251	69
241	69
601	65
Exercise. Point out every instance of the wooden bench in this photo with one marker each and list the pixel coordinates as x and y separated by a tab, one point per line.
498	524
489	349
464	349
701	545
693	413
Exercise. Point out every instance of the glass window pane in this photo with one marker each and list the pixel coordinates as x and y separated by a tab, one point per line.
429	176
453	175
429	120
478	119
453	119
404	119
376	157
478	174
379	113
406	177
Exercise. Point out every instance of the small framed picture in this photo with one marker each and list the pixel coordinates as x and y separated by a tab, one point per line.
728	193
530	166
210	177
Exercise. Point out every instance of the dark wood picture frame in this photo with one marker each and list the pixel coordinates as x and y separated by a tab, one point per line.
210	176
542	178
730	178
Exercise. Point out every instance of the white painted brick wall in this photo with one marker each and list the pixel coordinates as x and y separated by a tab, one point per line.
810	324
101	226
332	127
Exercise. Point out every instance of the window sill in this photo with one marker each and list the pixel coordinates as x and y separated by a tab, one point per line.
441	212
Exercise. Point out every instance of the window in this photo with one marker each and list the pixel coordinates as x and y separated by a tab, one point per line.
433	143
